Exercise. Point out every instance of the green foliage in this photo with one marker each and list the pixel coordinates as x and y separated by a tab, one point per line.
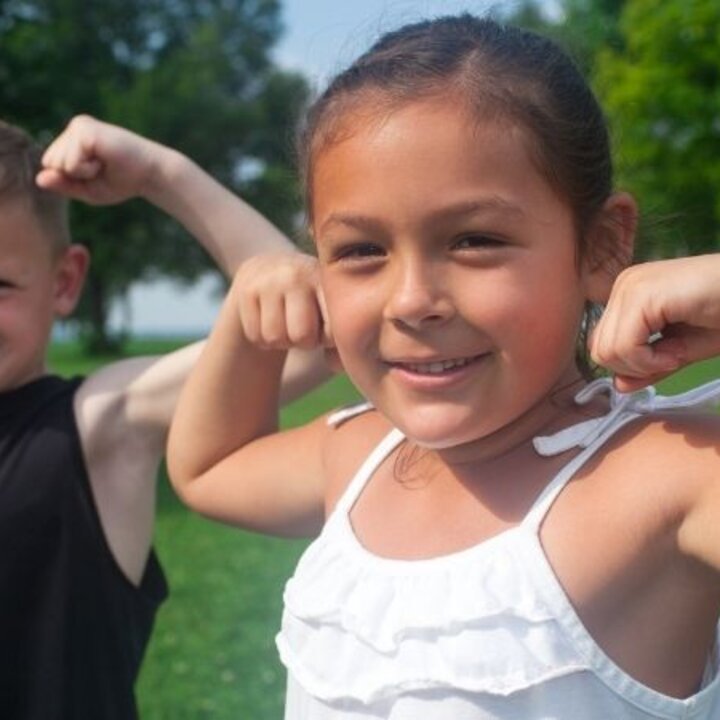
589	26
656	68
662	93
585	26
193	75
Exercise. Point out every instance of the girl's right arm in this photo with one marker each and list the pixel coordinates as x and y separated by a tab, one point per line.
226	459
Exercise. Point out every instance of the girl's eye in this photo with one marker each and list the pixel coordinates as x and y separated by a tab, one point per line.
479	241
359	251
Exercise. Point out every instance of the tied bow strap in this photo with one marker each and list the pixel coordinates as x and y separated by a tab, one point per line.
623	408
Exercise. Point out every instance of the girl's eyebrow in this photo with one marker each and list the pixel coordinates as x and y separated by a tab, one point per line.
354	220
455	210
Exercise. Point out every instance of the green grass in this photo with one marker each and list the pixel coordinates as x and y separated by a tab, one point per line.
691	376
212	655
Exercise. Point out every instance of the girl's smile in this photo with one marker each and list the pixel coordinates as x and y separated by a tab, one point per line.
434	374
450	272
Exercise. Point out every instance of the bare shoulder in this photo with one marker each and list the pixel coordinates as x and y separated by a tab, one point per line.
128	405
679	446
123	412
676	453
668	467
120	470
100	408
694	459
346	447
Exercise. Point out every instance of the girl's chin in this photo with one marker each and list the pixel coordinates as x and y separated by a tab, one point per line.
437	434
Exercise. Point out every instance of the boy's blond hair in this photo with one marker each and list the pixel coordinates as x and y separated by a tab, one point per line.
20	160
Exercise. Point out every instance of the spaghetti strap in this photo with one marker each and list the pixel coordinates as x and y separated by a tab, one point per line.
349	411
369	466
547	497
591	435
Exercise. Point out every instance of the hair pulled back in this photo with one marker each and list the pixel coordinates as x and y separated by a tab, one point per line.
498	72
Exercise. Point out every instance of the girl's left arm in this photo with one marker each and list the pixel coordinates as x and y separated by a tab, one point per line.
660	316
699	533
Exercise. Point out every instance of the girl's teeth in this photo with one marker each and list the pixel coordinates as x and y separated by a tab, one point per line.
436	368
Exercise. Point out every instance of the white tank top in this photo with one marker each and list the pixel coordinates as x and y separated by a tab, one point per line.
484	633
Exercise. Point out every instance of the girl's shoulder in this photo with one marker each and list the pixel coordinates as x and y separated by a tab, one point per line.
667	467
674	452
353	433
673	444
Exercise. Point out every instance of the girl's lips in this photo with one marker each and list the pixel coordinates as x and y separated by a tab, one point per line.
438	373
436	367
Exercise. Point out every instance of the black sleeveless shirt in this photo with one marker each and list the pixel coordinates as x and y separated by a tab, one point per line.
73	628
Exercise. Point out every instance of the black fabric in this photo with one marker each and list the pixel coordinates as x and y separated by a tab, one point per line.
73	628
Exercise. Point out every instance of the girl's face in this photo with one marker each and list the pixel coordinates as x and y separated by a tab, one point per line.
449	270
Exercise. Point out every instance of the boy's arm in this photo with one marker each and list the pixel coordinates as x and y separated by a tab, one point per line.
123	413
102	164
124	410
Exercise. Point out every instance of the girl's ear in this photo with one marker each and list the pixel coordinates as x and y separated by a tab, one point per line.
70	270
610	245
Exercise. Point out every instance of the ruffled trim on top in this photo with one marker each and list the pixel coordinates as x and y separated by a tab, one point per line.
360	629
352	630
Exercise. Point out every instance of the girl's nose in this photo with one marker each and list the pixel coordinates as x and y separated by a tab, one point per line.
418	297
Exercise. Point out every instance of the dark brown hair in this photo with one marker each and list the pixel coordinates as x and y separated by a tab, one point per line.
20	160
498	72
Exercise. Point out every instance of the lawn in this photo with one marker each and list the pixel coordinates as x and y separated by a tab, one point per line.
212	655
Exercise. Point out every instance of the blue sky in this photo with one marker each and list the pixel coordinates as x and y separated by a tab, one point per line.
321	37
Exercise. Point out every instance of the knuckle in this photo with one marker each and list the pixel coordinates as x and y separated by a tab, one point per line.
602	355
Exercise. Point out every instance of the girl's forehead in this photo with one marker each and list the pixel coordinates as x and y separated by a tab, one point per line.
424	151
369	111
366	129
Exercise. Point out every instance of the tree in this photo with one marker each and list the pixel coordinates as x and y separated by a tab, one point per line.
662	93
589	26
194	74
583	27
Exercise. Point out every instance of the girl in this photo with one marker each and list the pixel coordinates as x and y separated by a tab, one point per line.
497	537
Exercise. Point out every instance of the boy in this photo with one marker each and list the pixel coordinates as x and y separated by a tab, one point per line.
79	584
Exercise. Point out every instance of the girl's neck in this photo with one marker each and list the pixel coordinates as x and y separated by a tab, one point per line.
552	413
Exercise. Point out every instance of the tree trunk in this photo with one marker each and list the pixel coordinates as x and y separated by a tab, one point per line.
96	337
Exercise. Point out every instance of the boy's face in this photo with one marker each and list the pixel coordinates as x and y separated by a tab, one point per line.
35	286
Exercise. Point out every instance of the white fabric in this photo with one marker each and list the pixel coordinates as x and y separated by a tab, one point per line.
484	633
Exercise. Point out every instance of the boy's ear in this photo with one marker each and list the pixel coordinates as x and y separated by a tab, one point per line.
70	270
610	245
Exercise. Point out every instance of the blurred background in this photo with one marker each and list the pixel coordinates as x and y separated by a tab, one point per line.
224	81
